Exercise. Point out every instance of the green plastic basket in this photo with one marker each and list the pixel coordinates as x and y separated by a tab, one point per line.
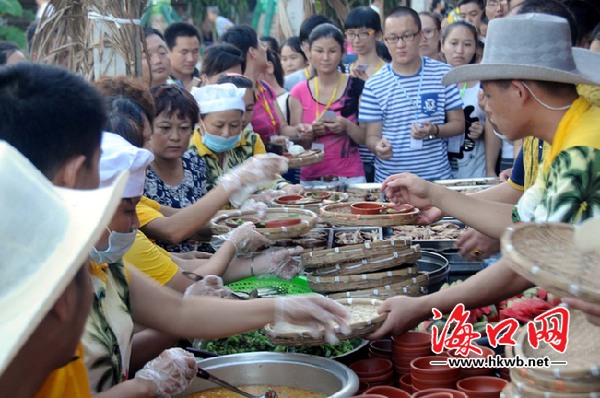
297	285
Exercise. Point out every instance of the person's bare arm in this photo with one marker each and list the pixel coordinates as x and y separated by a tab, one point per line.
502	193
490	286
147	345
454	125
373	135
285	129
187	221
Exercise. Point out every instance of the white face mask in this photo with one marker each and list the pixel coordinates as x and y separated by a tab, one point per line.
118	244
503	138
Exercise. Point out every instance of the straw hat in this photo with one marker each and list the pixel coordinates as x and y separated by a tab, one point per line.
530	47
46	235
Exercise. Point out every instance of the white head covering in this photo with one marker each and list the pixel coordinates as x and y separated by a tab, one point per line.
219	97
47	233
118	155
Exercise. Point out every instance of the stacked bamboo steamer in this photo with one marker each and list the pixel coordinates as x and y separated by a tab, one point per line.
369	270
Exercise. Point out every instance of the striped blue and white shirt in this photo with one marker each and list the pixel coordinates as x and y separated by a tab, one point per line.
398	102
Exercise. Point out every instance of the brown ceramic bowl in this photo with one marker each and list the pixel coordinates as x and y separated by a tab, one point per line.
369	396
405	383
413	339
287	199
424	384
234	222
482	386
363	386
422	369
371	367
388	391
381	346
366	208
284	222
374	354
454	393
383	379
469	372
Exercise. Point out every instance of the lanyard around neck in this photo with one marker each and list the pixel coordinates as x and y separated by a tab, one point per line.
266	104
416	100
331	99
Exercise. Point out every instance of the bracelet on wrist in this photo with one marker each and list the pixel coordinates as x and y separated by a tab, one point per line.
437	132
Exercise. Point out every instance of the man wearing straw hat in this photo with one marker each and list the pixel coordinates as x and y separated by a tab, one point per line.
528	73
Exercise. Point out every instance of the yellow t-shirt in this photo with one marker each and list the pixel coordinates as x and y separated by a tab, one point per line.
147	210
151	259
69	381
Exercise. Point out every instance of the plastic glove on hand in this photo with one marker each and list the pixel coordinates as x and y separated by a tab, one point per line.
210	285
283	264
255	171
314	312
256	206
170	373
267	196
246	238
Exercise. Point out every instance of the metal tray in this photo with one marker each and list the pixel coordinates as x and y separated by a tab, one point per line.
469	181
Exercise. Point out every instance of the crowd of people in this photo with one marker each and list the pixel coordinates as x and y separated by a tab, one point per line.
108	186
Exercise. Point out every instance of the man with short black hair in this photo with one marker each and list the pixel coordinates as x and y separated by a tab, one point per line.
183	40
471	11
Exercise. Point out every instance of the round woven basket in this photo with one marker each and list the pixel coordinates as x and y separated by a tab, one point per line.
404	288
546	255
539	382
379	263
339	197
357	329
307	222
309	157
583	336
334	284
322	258
340	214
527	390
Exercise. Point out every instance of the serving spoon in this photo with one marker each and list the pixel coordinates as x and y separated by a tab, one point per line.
203	374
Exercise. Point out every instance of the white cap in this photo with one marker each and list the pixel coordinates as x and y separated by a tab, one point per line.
219	97
47	233
118	155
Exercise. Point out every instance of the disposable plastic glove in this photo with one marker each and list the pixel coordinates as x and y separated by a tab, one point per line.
282	262
210	285
314	312
170	373
245	179
245	238
252	205
268	195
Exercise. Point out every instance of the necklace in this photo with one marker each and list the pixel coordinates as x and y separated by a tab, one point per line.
416	100
266	104
331	99
463	90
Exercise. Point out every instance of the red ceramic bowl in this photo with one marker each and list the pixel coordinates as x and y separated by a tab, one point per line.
369	396
437	395
388	391
482	386
373	354
363	386
405	383
469	372
422	368
284	200
453	393
366	208
383	379
424	384
371	367
381	346
285	222
413	339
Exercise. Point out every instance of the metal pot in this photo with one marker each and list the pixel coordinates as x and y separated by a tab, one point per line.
284	369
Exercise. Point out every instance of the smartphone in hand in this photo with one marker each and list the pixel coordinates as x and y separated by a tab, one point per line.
329	116
362	67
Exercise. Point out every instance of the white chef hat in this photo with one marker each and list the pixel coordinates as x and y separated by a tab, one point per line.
118	155
219	97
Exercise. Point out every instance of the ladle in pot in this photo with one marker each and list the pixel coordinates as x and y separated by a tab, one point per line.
203	374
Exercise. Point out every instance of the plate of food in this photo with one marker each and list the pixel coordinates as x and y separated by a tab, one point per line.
369	214
305	158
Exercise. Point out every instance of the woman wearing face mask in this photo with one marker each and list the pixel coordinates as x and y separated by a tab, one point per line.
459	43
225	138
124	296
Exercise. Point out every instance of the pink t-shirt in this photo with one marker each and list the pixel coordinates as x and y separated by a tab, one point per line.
341	157
265	121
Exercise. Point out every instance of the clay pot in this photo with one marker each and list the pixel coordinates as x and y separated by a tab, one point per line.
234	222
286	199
363	386
381	346
366	208
284	222
371	367
452	393
374	354
424	384
470	372
413	340
421	368
388	391
437	395
482	386
382	380
405	383
369	396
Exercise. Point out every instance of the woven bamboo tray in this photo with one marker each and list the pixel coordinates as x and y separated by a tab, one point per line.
584	339
526	390
334	284
307	222
320	258
546	255
416	286
338	197
538	382
357	329
340	214
309	157
374	264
